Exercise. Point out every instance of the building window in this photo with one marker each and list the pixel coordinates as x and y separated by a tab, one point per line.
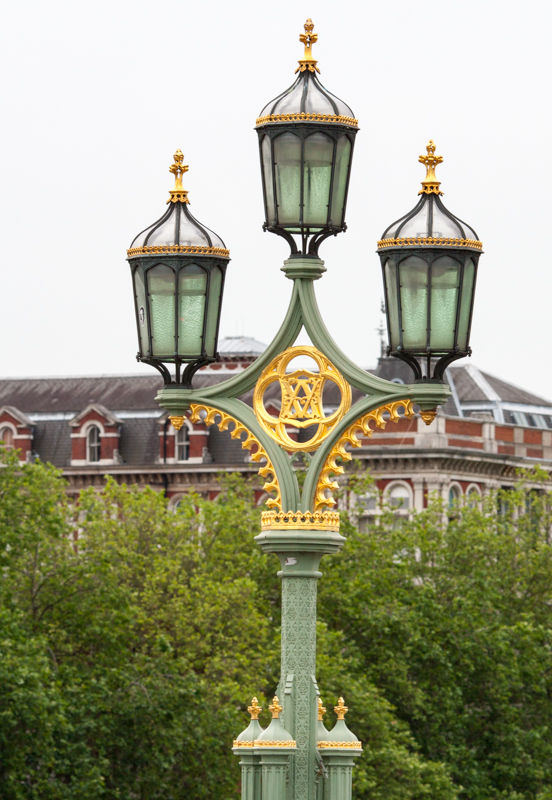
93	444
454	497
399	500
182	444
368	505
473	497
6	437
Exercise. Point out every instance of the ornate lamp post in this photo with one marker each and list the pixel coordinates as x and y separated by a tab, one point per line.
306	140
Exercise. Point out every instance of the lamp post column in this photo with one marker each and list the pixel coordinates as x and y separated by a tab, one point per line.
300	551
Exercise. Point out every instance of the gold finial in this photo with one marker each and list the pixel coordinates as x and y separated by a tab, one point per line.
308	39
430	185
177	420
321	710
254	709
178	168
340	709
428	415
275	708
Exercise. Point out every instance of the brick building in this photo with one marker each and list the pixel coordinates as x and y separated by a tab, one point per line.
110	425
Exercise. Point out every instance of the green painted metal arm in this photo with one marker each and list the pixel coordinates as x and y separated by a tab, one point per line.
360	408
302	311
285	474
425	394
289	330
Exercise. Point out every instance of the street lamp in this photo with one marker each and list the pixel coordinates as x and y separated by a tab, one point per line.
429	261
178	267
306	139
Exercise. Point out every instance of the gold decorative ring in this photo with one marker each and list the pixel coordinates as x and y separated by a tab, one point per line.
301	405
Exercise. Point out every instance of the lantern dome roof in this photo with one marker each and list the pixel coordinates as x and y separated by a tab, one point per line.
307	100
177	231
430	223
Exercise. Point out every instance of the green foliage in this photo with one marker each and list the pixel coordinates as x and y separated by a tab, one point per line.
449	616
133	637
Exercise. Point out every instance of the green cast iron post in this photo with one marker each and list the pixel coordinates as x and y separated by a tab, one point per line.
288	760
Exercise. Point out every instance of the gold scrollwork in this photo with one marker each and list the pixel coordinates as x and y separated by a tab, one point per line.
331	467
302	396
212	416
306	520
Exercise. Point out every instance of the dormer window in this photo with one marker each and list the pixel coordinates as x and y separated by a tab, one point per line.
182	444
93	444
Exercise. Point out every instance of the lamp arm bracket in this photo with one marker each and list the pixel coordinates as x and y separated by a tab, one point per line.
378	409
367	383
232	414
285	337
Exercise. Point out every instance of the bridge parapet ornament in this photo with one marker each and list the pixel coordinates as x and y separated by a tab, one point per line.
302	398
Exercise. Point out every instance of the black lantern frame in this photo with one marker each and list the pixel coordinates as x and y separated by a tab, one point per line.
332	221
182	266
425	357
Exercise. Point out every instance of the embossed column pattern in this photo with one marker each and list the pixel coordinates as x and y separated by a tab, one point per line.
299	690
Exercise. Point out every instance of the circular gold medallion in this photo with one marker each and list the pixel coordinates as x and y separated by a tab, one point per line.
301	405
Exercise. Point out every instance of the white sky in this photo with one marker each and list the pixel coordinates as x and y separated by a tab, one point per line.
98	96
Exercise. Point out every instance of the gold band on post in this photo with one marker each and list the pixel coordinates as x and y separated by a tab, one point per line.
306	520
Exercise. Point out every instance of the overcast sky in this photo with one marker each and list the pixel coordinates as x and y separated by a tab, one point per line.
98	96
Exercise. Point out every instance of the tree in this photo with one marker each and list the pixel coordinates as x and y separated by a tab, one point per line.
132	638
449	616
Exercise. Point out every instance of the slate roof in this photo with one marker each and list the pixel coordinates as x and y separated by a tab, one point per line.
240	345
54	395
52	402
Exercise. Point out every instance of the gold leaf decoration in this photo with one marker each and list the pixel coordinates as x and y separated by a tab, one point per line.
212	416
339	453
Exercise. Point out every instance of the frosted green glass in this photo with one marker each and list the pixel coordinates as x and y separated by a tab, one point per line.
213	311
192	283
317	176
466	304
413	280
342	159
161	289
142	317
287	158
392	304
269	187
445	275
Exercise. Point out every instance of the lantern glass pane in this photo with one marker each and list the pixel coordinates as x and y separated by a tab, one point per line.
445	274
213	311
466	304
192	284
287	160
317	178
141	315
413	295
161	290
392	304
342	160
268	184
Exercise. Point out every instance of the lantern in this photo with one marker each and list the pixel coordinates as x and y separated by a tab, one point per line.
306	139
429	260
178	267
